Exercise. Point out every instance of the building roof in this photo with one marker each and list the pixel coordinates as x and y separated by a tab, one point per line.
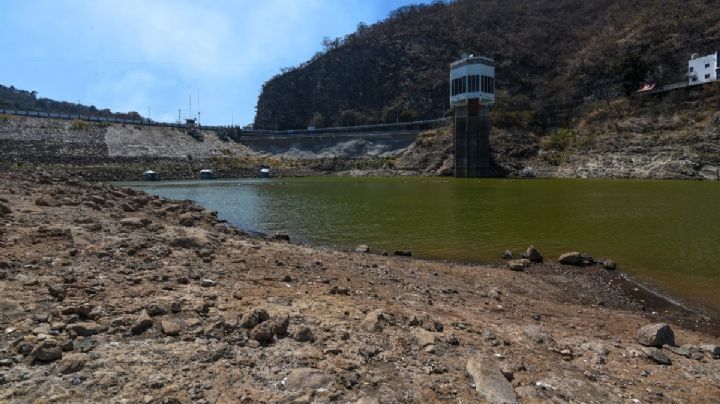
471	60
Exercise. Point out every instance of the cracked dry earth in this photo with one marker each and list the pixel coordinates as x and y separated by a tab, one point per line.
112	295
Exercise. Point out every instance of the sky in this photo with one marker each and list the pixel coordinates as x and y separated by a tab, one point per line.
152	56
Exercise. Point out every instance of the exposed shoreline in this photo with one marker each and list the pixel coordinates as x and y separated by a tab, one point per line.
148	296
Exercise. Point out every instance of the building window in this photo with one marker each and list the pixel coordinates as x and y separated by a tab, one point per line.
488	84
707	76
692	69
694	78
707	65
473	84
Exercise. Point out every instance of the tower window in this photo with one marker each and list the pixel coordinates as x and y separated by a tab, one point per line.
707	76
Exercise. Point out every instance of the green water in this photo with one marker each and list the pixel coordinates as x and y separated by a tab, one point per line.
664	232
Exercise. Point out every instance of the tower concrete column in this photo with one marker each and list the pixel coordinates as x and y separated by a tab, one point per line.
472	140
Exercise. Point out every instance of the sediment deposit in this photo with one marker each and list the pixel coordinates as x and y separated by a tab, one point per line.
110	294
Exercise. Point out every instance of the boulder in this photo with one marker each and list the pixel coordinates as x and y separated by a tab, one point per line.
206	283
507	255
536	334
266	330
609	265
57	290
170	328
533	254
362	248
187	220
303	379
374	321
85	329
141	324
302	333
155	309
47	200
571	258
489	380
253	318
518	265
4	209
71	363
656	355
134	222
403	253
656	335
712	350
47	351
423	338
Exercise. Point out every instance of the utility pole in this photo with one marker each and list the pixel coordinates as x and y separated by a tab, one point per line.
179	120
198	105
148	117
190	105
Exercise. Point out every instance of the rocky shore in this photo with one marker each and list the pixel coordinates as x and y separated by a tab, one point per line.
109	294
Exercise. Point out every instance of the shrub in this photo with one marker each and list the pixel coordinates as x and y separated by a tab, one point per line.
78	124
559	141
103	124
5	117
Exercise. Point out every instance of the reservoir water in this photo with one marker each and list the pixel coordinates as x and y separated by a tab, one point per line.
666	233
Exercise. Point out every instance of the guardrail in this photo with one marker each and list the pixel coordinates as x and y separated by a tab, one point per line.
414	125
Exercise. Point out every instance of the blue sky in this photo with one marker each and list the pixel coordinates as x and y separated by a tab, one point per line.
128	55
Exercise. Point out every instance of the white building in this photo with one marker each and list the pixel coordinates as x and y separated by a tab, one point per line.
702	69
472	77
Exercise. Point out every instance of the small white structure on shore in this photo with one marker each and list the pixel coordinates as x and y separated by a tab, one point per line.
703	69
265	172
150	175
472	77
207	174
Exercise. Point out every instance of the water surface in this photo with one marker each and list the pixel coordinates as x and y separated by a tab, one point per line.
664	232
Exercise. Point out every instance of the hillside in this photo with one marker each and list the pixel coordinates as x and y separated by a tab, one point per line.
23	100
551	56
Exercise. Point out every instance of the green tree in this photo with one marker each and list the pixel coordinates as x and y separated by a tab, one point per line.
633	71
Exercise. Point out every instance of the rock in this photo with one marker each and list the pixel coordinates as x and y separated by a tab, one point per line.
206	283
141	324
155	309
85	329
303	379
47	200
403	253
253	318
280	237
536	334
571	258
57	290
533	254
362	248
134	222
367	400
170	328
656	335
4	209
71	363
489	381
302	333
682	351
265	331
656	355
374	321
609	265
452	339
187	220
47	351
507	255
518	265
423	337
713	350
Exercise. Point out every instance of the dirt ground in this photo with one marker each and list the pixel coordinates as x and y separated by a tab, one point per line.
112	295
